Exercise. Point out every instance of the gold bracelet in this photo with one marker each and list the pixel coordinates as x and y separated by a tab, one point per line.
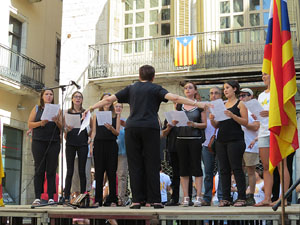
91	109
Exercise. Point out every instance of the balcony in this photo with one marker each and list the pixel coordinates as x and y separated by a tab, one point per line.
221	49
21	69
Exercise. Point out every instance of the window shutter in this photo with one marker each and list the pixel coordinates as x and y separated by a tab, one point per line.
183	17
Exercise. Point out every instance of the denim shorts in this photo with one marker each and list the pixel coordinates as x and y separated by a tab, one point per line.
264	142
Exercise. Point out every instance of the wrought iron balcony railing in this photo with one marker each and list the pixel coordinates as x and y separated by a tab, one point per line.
214	50
21	68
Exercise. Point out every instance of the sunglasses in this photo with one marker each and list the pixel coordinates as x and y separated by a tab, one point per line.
244	95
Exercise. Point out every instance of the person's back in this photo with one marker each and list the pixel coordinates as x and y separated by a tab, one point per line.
144	99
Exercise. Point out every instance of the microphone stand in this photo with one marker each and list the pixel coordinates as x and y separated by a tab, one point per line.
62	199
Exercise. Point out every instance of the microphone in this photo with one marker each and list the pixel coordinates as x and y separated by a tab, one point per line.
74	83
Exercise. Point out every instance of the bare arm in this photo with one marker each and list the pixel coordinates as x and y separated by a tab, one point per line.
203	124
213	122
243	119
182	100
253	126
103	102
166	131
116	130
92	134
31	123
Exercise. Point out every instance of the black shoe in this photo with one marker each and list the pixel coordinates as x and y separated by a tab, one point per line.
138	206
191	203
172	202
158	206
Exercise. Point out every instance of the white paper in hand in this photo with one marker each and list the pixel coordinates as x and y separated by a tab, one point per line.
218	110
73	120
255	108
85	122
50	111
104	117
179	116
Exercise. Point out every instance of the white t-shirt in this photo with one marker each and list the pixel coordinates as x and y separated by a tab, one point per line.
259	194
250	135
209	131
165	182
264	100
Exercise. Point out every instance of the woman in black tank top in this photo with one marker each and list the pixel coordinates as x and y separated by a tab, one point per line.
189	145
45	147
230	145
76	144
105	154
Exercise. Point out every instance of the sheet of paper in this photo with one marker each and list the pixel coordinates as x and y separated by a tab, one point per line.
50	111
255	108
72	120
180	116
104	117
218	110
85	122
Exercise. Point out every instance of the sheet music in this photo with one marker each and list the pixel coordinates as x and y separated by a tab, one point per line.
73	120
255	108
218	110
179	116
50	111
104	117
85	122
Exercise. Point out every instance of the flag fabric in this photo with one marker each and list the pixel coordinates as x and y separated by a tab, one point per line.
1	166
279	64
185	51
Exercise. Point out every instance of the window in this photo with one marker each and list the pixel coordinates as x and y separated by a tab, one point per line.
57	61
12	163
14	36
225	7
236	14
238	6
143	19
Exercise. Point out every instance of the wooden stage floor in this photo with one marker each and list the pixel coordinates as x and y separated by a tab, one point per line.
47	214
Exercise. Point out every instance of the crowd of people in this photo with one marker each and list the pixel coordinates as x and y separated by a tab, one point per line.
132	146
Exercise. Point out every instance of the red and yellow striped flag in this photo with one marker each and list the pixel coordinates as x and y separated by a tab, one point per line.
185	53
279	63
1	166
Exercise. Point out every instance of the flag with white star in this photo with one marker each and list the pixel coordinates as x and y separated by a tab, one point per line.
185	53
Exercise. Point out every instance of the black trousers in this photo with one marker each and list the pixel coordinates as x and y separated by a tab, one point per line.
174	162
230	157
45	155
82	152
143	154
106	160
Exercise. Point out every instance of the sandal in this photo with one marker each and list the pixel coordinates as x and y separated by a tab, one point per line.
263	204
224	203
135	206
113	204
185	202
36	202
240	203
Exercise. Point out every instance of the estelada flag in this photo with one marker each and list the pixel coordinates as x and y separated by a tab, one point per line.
185	53
1	166
279	64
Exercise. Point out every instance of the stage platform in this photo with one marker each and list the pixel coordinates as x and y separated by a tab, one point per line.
60	214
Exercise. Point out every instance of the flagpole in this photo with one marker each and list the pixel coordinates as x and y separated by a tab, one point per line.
282	193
